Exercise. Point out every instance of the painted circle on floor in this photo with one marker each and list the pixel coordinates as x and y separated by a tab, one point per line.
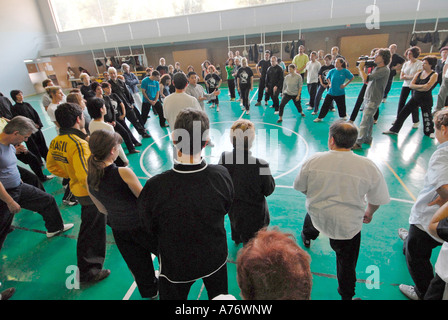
272	143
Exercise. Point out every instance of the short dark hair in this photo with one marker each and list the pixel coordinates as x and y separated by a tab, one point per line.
94	85
344	134
415	51
180	80
66	114
94	106
155	73
191	73
14	94
432	60
186	126
385	54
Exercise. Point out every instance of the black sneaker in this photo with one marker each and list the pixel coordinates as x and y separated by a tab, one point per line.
6	294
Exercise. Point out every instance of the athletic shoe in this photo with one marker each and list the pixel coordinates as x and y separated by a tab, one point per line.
309	108
415	125
302	114
432	135
317	120
70	202
356	146
408	291
258	103
279	120
313	113
403	233
66	227
276	112
390	132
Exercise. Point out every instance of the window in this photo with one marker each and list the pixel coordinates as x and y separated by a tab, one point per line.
81	14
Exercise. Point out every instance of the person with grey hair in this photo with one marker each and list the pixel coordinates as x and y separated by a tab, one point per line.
132	82
187	219
343	190
376	83
14	194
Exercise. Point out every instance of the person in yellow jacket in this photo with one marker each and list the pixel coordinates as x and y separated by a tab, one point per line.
67	158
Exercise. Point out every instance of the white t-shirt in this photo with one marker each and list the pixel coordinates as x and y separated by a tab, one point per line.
100	125
176	102
338	185
51	110
410	69
313	71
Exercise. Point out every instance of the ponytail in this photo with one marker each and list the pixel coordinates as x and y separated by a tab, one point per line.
101	143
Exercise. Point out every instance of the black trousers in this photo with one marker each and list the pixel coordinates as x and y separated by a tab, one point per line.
418	248
31	159
412	105
158	108
340	102
285	99
347	252
436	289
126	135
245	96
131	115
261	90
231	85
359	103
135	248
215	284
274	97
404	94
33	199
36	144
131	135
91	245
312	90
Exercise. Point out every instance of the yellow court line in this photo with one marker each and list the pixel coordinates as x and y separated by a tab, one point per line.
401	181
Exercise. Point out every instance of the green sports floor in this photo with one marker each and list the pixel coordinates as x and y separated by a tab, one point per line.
41	268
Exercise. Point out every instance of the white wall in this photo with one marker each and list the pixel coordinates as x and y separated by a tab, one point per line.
21	29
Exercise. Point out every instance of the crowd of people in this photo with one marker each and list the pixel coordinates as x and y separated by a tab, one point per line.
178	215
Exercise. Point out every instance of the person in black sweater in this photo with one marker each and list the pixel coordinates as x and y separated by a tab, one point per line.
187	218
252	181
115	190
274	82
36	142
262	68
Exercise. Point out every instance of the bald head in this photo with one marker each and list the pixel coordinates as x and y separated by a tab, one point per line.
344	134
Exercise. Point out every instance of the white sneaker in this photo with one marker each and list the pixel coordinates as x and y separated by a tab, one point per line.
67	226
275	112
309	108
247	112
403	233
415	125
313	113
409	291
317	120
432	135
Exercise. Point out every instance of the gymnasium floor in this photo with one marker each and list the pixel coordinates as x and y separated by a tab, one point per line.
40	268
